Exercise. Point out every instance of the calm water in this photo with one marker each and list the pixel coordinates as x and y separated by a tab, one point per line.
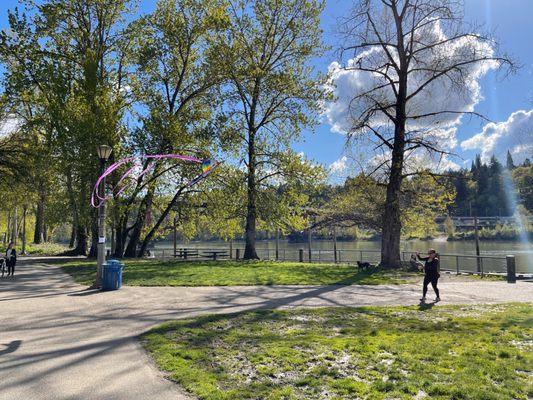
351	251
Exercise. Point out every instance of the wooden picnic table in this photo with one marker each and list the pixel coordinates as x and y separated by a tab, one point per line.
185	253
214	254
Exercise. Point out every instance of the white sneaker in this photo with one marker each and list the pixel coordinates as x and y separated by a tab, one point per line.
437	299
423	299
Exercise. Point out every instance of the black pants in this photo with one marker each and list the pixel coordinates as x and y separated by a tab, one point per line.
433	279
10	268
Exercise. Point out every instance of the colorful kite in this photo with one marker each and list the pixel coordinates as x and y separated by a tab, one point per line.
139	166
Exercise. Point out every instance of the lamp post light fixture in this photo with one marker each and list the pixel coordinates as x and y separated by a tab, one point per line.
104	152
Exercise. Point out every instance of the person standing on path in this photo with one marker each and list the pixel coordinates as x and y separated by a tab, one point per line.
11	259
431	272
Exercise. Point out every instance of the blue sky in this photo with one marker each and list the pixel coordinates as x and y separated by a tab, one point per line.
511	22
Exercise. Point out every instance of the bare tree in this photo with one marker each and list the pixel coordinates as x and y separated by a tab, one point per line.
407	51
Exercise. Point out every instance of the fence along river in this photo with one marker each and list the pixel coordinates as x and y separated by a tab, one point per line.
462	253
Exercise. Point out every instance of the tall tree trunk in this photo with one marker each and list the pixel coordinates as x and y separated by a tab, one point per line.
38	233
391	231
250	252
24	212
392	226
94	237
8	230
39	219
160	220
72	236
120	237
45	232
135	235
81	242
81	230
14	227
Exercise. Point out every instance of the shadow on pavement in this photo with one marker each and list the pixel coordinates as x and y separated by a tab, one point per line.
85	292
10	347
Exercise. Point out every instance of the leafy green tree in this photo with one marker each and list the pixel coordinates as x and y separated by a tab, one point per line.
462	181
361	202
510	162
68	51
449	226
176	76
523	180
424	198
272	91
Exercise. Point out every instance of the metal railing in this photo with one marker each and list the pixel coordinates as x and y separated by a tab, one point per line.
458	263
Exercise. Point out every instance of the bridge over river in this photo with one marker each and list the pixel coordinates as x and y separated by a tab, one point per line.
468	223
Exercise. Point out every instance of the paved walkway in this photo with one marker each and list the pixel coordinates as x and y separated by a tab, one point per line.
58	341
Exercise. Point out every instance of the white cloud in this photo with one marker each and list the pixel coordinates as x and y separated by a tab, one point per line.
515	135
414	162
339	166
339	170
346	83
9	125
436	163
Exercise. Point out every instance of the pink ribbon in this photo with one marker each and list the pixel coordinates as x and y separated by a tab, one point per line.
97	200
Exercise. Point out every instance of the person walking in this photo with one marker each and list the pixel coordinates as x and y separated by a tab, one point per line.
11	259
431	273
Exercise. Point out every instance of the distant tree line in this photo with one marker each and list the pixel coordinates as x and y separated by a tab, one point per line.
485	189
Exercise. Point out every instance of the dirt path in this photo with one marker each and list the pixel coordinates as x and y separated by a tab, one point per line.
58	341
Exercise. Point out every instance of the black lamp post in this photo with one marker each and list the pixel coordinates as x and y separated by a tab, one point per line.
104	152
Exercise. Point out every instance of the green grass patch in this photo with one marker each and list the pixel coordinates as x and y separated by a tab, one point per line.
42	249
469	352
235	273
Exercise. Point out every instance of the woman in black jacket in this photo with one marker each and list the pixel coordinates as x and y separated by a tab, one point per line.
432	272
11	259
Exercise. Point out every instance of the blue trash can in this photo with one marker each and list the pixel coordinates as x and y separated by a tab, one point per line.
112	275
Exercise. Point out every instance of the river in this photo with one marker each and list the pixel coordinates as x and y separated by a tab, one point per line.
351	251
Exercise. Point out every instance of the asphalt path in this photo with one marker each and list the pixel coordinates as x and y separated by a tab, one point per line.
61	341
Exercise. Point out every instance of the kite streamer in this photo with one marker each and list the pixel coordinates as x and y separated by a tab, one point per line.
123	183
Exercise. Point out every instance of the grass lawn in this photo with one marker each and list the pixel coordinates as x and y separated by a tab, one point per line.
226	273
469	352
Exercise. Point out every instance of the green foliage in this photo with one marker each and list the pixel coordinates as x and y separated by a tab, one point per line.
424	197
500	232
273	93
361	202
63	78
231	273
523	180
449	226
482	190
46	249
465	352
